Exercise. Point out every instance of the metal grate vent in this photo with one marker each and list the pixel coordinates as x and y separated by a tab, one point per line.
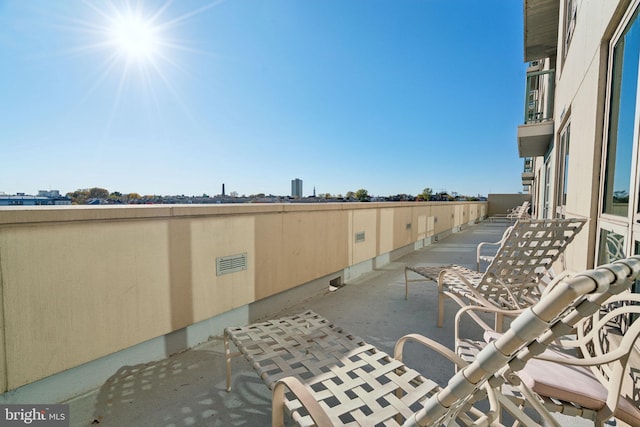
231	264
360	237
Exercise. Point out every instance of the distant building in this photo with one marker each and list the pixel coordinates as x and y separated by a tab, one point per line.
296	187
49	193
44	198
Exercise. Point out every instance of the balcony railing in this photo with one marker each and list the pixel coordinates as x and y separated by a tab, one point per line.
527	174
536	134
539	96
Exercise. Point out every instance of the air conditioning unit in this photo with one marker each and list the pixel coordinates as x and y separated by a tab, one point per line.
534	66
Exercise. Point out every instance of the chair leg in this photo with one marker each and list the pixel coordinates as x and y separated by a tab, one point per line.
277	405
440	309
499	325
228	356
406	284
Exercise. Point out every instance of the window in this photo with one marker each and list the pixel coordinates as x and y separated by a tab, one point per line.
570	15
563	170
547	188
636	285
535	195
622	111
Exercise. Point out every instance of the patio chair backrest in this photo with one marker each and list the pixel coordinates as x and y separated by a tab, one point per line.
520	212
530	249
554	316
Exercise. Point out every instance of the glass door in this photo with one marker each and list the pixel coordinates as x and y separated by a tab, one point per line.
619	219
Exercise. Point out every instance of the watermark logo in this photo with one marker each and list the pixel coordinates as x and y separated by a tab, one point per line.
34	415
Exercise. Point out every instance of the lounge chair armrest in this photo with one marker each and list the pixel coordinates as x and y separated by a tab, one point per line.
483	244
302	393
429	343
498	243
470	309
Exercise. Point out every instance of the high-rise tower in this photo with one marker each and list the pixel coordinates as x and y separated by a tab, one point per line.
296	187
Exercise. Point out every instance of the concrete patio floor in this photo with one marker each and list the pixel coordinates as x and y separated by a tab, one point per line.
189	389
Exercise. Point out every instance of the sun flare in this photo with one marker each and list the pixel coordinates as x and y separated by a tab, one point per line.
140	44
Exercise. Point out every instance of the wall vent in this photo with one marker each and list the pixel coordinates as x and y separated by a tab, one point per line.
335	284
408	226
360	237
231	264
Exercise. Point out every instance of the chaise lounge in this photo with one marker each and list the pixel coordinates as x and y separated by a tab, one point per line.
513	279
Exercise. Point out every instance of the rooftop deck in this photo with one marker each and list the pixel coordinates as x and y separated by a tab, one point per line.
189	388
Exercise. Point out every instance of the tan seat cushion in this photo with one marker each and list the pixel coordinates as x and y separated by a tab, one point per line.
575	384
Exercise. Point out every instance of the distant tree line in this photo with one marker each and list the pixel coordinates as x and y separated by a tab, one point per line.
85	196
100	196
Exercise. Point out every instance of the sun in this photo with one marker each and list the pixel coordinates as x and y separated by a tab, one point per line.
131	33
135	37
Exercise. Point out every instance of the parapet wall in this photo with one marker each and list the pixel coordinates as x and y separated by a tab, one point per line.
502	203
80	283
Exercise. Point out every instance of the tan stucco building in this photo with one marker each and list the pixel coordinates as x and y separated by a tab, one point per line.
580	133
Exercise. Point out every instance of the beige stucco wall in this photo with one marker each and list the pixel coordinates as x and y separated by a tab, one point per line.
75	292
500	204
212	294
362	221
79	283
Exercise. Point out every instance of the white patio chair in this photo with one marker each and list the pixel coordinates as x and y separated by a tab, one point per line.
589	375
367	387
513	279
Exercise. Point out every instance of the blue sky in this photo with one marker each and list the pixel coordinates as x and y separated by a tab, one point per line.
161	97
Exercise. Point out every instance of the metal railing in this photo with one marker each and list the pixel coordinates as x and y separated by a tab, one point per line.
539	96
